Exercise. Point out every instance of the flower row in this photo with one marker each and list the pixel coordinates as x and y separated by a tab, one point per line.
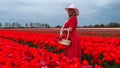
39	40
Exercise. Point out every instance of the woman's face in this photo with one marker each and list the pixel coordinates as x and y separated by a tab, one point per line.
71	12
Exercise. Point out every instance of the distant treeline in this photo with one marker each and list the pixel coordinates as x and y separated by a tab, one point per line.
112	24
26	25
45	25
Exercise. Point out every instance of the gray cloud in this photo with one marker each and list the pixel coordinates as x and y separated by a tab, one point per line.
52	11
93	12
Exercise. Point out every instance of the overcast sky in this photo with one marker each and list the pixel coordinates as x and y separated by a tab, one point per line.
53	13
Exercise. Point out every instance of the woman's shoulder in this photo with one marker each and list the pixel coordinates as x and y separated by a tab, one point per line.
74	18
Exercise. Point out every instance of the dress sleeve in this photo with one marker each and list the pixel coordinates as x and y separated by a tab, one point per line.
73	23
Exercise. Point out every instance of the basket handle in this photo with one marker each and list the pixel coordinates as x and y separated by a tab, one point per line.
67	31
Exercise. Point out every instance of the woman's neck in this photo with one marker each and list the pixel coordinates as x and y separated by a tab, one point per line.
70	16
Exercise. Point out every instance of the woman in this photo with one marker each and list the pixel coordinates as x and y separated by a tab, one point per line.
74	49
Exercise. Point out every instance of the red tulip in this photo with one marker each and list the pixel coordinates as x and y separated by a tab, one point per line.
85	63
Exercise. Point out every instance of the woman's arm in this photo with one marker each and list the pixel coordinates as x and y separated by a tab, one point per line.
62	30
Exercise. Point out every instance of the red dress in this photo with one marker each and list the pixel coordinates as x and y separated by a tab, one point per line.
74	50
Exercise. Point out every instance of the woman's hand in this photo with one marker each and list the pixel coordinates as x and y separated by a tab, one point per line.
61	34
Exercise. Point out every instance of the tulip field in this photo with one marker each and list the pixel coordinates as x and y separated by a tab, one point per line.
39	48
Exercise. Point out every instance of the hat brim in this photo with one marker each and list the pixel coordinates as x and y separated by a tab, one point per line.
76	10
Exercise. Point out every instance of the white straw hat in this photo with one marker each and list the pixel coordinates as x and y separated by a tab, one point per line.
73	7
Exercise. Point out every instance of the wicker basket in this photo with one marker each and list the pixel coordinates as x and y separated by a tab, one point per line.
65	42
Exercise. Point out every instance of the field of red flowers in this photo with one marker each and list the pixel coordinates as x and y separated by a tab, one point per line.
38	48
